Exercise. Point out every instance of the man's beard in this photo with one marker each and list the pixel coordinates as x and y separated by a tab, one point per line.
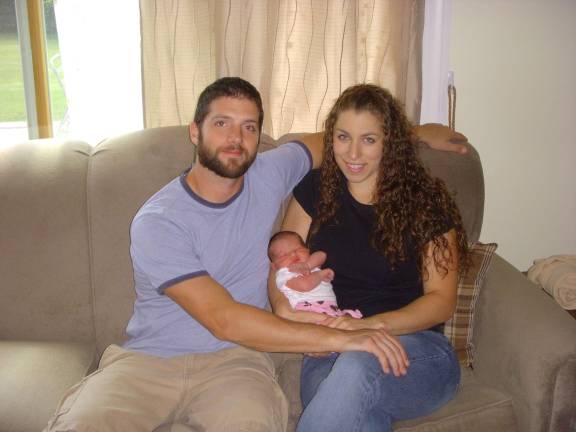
233	170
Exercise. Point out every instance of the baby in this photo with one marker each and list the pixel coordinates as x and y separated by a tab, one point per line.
299	277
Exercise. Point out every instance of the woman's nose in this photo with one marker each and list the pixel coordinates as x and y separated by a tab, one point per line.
353	150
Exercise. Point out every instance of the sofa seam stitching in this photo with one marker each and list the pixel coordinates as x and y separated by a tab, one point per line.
90	247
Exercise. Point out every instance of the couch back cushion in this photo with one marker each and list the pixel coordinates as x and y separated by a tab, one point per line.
124	172
44	255
464	179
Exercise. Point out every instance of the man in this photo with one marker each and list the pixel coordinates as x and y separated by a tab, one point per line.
199	332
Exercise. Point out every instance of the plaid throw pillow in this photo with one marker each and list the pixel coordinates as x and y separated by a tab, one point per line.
459	328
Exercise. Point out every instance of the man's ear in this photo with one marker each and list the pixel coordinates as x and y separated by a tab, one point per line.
194	133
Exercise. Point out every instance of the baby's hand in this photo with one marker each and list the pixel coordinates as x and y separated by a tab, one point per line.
327	275
300	268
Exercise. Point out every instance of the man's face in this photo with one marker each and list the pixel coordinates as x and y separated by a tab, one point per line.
227	141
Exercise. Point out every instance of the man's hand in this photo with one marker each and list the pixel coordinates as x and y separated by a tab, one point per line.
440	137
385	347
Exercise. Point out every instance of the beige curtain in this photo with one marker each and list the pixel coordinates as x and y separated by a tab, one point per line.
300	54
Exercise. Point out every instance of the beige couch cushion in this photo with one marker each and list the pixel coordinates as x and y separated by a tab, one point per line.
44	259
123	174
475	408
33	377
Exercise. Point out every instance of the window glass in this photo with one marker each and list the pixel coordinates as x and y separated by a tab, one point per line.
58	102
13	122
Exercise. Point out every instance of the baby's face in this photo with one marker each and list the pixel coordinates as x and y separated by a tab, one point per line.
289	251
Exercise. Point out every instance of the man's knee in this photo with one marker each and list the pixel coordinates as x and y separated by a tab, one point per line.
102	402
98	419
261	408
254	425
256	406
76	421
253	416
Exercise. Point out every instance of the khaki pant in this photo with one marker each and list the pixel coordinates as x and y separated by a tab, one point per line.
230	390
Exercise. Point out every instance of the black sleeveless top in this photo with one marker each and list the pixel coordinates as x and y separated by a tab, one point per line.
364	279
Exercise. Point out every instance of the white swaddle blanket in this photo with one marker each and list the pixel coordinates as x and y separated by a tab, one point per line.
557	275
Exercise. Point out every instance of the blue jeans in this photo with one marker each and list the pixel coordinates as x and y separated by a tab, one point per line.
349	392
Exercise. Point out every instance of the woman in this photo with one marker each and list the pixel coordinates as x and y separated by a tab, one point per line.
394	238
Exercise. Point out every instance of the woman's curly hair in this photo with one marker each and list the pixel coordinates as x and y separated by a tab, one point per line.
411	207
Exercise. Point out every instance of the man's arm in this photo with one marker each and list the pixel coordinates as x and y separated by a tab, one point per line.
213	307
315	143
434	135
440	137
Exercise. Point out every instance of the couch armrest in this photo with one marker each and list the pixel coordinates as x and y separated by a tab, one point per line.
526	346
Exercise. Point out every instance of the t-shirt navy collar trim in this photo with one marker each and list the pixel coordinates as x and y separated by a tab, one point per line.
201	200
307	150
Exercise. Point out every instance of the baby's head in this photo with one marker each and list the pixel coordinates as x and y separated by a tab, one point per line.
285	248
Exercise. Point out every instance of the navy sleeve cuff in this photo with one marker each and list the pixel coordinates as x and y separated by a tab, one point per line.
307	150
178	279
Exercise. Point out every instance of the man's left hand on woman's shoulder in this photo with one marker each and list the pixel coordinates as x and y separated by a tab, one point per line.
441	137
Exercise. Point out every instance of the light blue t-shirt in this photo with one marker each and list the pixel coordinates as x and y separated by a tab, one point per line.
177	235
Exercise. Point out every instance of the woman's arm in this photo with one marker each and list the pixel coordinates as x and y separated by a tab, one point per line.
438	302
281	305
434	307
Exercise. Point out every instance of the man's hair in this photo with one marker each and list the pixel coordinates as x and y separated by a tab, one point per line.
228	87
281	235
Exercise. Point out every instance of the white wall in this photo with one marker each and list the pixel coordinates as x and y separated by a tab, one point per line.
515	73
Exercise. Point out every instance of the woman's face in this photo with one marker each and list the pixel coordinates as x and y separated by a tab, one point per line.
358	146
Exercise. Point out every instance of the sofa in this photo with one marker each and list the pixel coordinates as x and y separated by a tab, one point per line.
67	287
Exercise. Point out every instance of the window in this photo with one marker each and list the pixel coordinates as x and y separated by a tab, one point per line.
13	126
64	73
32	91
